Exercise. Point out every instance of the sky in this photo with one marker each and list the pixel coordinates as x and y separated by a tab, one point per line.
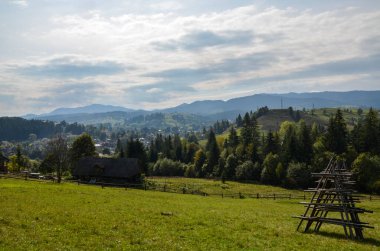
146	54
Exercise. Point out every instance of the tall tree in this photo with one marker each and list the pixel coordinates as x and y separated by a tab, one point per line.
305	147
371	132
336	136
239	121
270	144
177	144
212	152
289	144
246	131
58	148
136	149
83	146
233	139
199	161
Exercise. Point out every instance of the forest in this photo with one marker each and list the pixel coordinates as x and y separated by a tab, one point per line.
285	157
240	150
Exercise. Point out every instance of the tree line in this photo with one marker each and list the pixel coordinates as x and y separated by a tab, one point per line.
285	157
19	129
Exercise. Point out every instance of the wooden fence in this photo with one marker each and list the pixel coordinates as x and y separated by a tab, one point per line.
193	189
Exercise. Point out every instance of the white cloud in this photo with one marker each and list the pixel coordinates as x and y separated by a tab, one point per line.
21	3
205	55
166	6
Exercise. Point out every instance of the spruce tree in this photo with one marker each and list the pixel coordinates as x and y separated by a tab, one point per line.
239	121
233	138
213	152
336	136
305	148
371	133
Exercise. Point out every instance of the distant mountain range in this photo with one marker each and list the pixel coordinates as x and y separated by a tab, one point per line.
218	109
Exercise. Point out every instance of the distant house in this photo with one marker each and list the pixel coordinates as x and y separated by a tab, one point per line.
3	166
108	170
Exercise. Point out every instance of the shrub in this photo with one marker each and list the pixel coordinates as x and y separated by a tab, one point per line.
168	167
245	171
298	175
268	174
366	170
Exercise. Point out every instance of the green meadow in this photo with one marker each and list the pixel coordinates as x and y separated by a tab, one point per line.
48	216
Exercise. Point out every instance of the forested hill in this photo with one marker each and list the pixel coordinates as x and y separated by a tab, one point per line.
309	100
14	128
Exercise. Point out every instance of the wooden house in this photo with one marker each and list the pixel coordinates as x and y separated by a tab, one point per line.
3	164
108	170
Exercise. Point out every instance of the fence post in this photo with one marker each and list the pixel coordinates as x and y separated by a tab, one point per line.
165	188
370	197
222	195
304	196
258	196
290	196
274	196
145	186
126	186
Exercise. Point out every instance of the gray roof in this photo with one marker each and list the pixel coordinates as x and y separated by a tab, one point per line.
3	158
107	167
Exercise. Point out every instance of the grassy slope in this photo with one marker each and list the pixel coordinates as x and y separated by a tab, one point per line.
217	187
41	216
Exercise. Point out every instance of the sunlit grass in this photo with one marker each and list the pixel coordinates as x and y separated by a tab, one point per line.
47	216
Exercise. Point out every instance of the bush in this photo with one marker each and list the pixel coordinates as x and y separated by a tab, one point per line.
376	187
366	170
168	167
245	171
298	175
268	174
190	171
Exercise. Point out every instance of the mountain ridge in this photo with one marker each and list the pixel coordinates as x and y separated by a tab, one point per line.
220	109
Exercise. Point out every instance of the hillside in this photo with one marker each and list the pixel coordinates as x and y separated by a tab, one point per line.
273	119
276	101
74	217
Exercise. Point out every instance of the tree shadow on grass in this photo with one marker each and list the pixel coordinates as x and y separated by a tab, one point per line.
368	241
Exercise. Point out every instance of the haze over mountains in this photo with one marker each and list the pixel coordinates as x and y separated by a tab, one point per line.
219	109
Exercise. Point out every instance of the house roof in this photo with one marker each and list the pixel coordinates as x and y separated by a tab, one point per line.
107	167
3	158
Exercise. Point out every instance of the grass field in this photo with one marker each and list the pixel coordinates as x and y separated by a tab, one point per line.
47	216
216	187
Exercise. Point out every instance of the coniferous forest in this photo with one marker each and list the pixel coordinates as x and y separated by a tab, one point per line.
241	150
285	157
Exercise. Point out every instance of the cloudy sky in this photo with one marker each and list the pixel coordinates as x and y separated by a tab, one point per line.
154	54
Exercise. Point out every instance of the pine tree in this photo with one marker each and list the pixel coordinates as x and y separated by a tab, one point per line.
270	144
289	145
199	161
246	131
336	136
135	149
177	148
305	148
371	133
213	152
233	139
239	121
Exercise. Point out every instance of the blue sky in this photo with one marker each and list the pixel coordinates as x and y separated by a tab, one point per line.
154	54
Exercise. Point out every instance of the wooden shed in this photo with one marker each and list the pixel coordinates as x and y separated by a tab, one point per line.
3	166
107	169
